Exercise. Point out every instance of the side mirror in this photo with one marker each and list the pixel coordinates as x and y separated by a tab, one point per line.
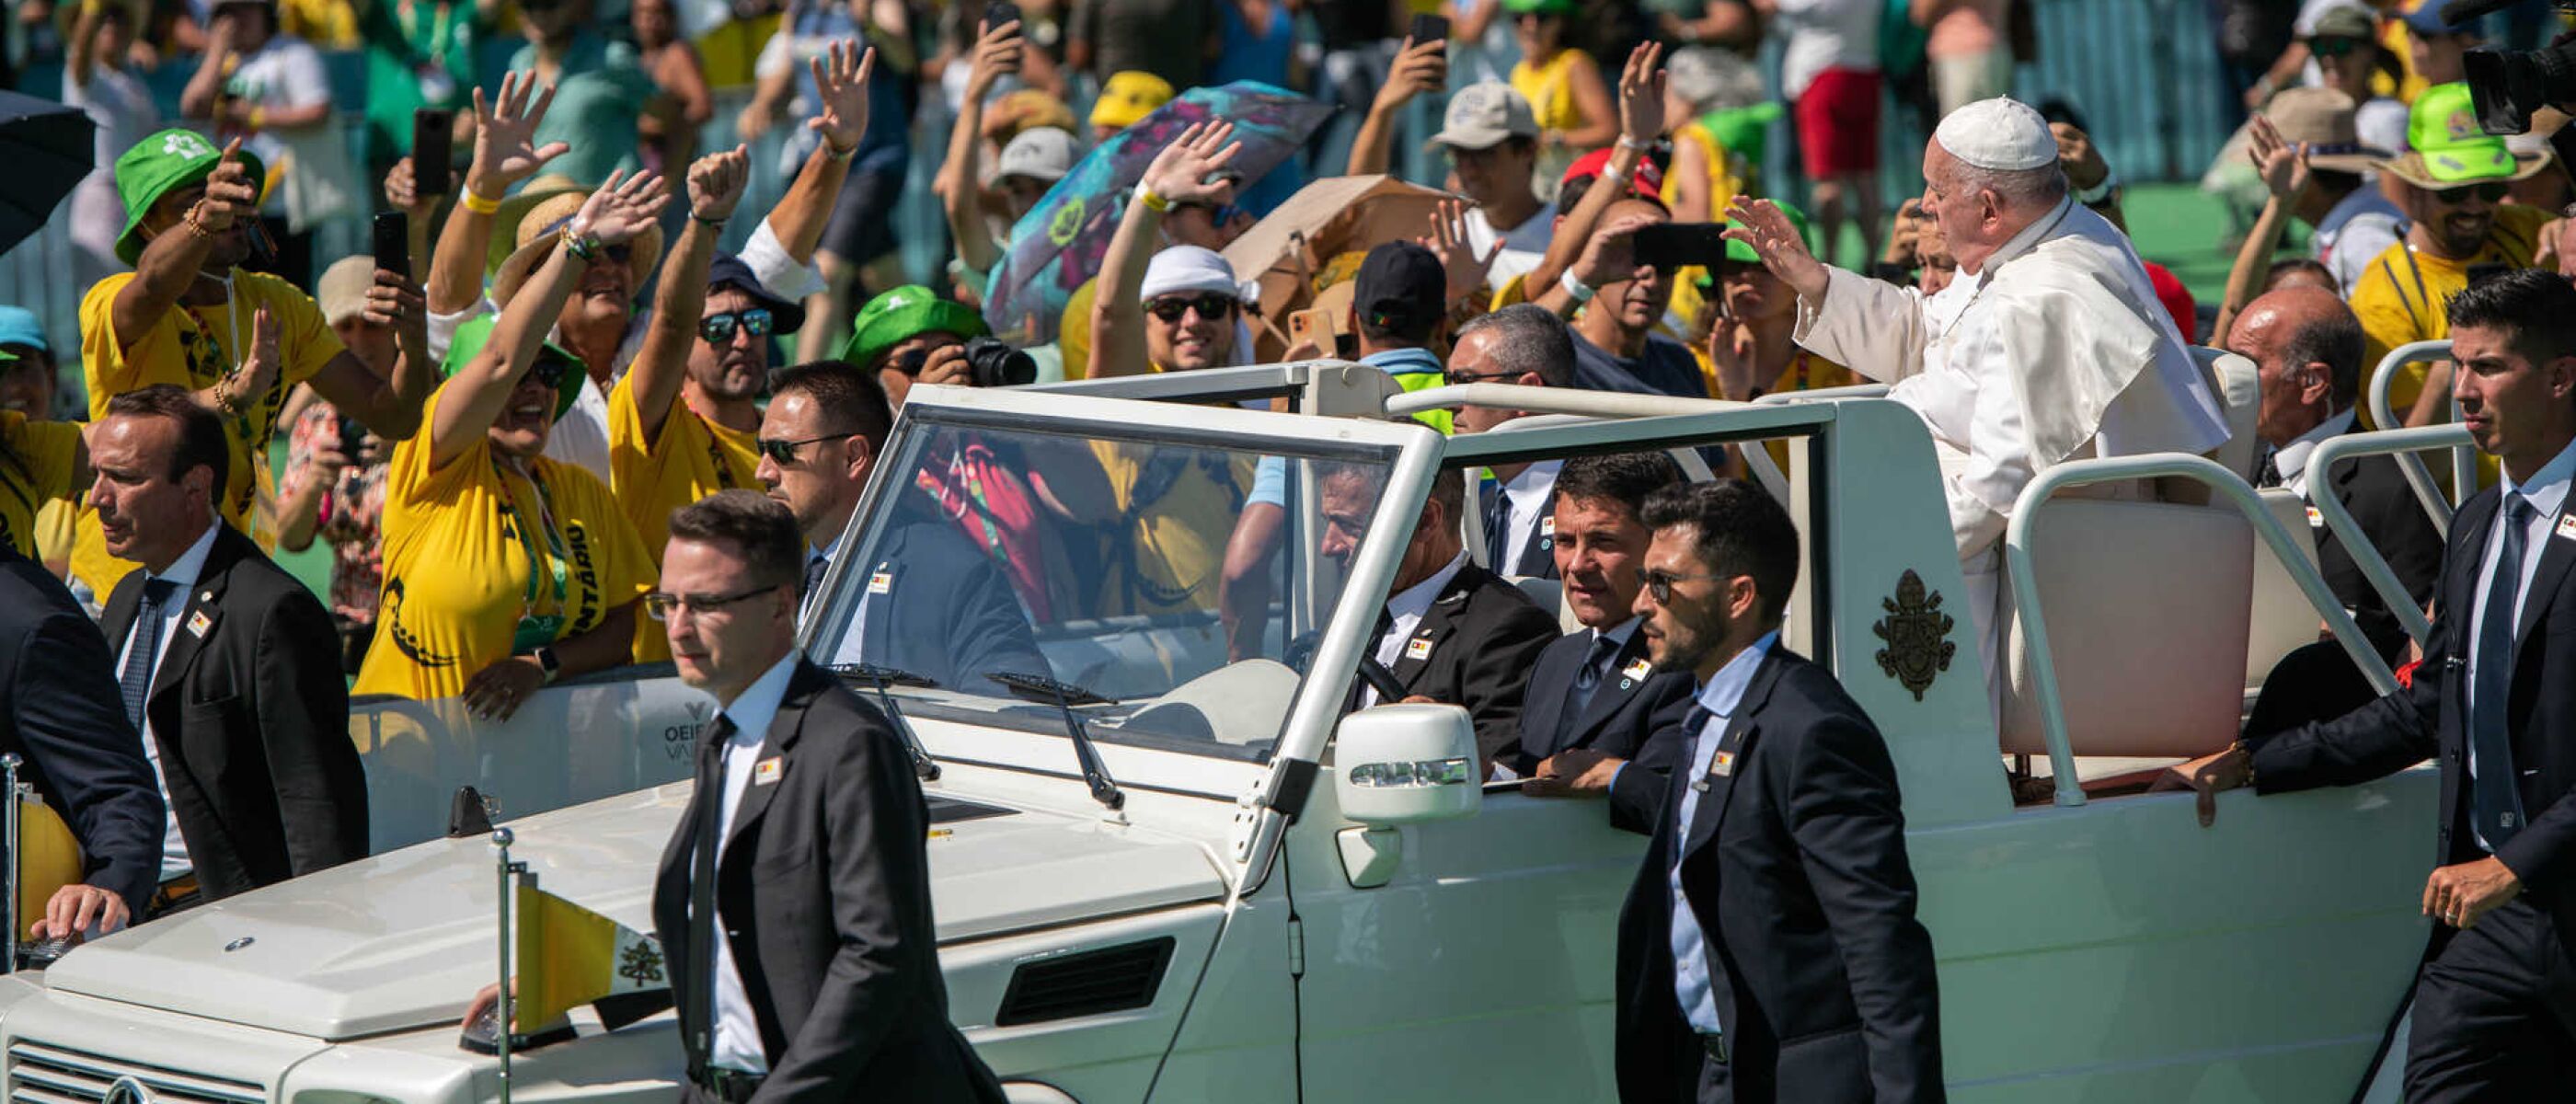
1407	764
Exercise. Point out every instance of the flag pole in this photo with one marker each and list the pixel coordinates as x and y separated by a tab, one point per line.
504	868
9	943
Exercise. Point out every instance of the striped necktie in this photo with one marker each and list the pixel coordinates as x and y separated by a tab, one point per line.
145	655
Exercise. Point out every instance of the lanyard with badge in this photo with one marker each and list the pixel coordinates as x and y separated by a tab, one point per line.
535	630
437	85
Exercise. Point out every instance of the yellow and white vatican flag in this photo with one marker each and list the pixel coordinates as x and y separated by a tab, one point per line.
570	956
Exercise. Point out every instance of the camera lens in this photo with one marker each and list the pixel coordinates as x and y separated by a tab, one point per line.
992	362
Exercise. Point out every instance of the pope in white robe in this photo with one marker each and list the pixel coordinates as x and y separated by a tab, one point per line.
2049	346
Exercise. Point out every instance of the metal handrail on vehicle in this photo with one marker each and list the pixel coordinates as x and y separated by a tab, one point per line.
1588	404
2228	487
1827	394
2401	443
2464	459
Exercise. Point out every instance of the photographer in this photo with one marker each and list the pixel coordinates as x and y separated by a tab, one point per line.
910	335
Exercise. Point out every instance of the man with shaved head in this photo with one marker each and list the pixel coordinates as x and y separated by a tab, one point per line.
2306	347
2049	346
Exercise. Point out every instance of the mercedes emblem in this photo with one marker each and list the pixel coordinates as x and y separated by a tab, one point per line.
126	1090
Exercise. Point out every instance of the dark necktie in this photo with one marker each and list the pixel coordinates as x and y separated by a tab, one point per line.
2498	807
136	679
1682	791
814	568
1500	557
702	890
2268	474
1587	678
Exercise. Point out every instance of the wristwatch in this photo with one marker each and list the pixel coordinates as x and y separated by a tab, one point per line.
548	662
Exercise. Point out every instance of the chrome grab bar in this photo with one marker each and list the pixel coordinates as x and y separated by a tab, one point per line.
2400	443
2464	480
2226	485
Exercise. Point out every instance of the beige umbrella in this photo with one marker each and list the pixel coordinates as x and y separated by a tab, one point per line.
1288	254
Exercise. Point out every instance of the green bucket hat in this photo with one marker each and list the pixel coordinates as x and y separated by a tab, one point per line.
1739	253
472	336
2450	150
1542	7
904	312
162	164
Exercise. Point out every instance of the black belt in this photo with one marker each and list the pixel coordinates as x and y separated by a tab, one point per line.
729	1085
1715	1047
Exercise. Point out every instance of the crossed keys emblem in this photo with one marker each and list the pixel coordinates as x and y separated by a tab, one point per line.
641	963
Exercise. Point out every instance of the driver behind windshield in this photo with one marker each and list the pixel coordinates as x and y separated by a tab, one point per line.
930	603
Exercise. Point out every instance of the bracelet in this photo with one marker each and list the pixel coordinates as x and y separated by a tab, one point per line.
1581	292
196	223
473	201
1627	143
226	399
836	153
709	223
583	246
1152	202
2089	196
2247	750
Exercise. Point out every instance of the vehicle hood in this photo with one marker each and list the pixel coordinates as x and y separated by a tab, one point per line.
402	940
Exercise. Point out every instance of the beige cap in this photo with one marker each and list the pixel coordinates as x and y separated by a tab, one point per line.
1484	115
342	291
2321	119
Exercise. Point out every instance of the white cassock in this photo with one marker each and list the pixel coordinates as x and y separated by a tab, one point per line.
2057	349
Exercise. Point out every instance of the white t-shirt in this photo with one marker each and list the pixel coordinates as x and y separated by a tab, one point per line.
285	71
1523	245
1826	34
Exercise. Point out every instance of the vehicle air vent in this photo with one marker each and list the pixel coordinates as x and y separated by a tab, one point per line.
1086	983
52	1075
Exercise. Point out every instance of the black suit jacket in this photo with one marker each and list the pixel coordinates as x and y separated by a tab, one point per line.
945	612
824	893
61	713
251	719
2375	491
1796	868
1474	648
2429	719
1532	558
1635	718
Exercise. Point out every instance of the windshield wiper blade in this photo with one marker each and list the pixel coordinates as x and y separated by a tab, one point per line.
883	680
1064	696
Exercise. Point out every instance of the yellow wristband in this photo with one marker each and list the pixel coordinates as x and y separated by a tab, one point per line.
1152	202
479	205
259	118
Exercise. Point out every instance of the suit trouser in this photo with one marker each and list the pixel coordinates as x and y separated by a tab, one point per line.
2495	1014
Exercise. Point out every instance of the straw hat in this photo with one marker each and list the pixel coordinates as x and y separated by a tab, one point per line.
2321	119
514	209
537	231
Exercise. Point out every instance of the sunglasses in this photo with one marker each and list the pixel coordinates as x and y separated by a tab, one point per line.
1461	379
2491	192
1660	583
616	254
660	605
2333	47
784	452
1173	308
717	329
549	370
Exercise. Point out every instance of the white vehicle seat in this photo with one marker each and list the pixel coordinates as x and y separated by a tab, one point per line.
2147	606
2282	618
1550	596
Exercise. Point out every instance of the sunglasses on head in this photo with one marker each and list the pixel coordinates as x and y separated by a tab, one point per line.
2490	192
2333	47
1172	308
717	329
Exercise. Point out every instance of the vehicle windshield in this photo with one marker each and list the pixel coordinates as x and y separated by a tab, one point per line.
1177	578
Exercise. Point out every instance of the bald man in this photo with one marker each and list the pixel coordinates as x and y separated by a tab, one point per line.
2049	346
2306	347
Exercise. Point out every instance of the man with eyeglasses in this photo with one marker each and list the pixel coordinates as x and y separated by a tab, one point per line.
2454	178
1527	345
681	423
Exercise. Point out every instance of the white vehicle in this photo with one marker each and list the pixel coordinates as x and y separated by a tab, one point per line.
1294	905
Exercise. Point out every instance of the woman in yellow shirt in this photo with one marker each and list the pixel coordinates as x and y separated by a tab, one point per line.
505	570
40	463
1564	88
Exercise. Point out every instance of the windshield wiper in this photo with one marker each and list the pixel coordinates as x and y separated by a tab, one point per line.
883	680
1064	696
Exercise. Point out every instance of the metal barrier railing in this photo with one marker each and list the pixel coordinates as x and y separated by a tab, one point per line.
2464	459
2400	443
2226	486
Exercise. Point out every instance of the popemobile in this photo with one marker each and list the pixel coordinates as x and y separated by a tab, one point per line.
1162	872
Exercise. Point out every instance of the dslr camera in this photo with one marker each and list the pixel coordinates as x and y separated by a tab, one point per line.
2506	86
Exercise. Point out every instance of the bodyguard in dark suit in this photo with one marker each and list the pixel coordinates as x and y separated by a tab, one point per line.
794	899
2495	1001
1527	345
1451	632
230	664
59	712
1595	707
1769	950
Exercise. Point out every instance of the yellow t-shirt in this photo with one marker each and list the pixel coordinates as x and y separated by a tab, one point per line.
2404	295
459	542
1549	88
36	462
55	530
1174	557
1723	184
693	459
193	347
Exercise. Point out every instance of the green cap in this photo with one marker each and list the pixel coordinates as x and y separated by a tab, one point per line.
472	336
2449	148
904	312
162	164
1542	7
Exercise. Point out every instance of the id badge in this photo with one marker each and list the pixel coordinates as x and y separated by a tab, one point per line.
535	631
437	85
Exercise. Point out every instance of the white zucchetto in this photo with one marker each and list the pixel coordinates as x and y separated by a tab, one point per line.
2000	135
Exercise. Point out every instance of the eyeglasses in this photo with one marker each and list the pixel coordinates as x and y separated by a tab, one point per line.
1658	583
549	370
660	605
2334	47
784	452
1460	379
717	329
1173	308
1218	213
2490	192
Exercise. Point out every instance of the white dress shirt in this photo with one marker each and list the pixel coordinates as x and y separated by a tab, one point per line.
1406	609
737	1042
1722	694
2291	460
1527	495
853	640
183	571
2547	493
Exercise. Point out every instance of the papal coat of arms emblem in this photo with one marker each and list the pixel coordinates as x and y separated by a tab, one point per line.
1917	635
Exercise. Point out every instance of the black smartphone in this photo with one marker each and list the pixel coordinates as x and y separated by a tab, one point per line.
1671	245
1429	28
393	242
1000	12
352	433
433	144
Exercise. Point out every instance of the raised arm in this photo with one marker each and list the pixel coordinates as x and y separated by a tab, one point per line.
842	77
206	85
2285	173
995	54
505	153
715	187
390	408
1179	174
80	55
1419	68
1641	121
613	215
174	258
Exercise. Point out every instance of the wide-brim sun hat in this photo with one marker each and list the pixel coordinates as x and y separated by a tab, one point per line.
538	231
2451	150
2322	120
164	163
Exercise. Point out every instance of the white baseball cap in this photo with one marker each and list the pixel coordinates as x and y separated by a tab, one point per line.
1039	153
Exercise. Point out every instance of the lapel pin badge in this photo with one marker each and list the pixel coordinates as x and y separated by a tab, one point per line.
2316	518
1721	765
881	583
1636	671
767	770
2567	526
199	622
1418	648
